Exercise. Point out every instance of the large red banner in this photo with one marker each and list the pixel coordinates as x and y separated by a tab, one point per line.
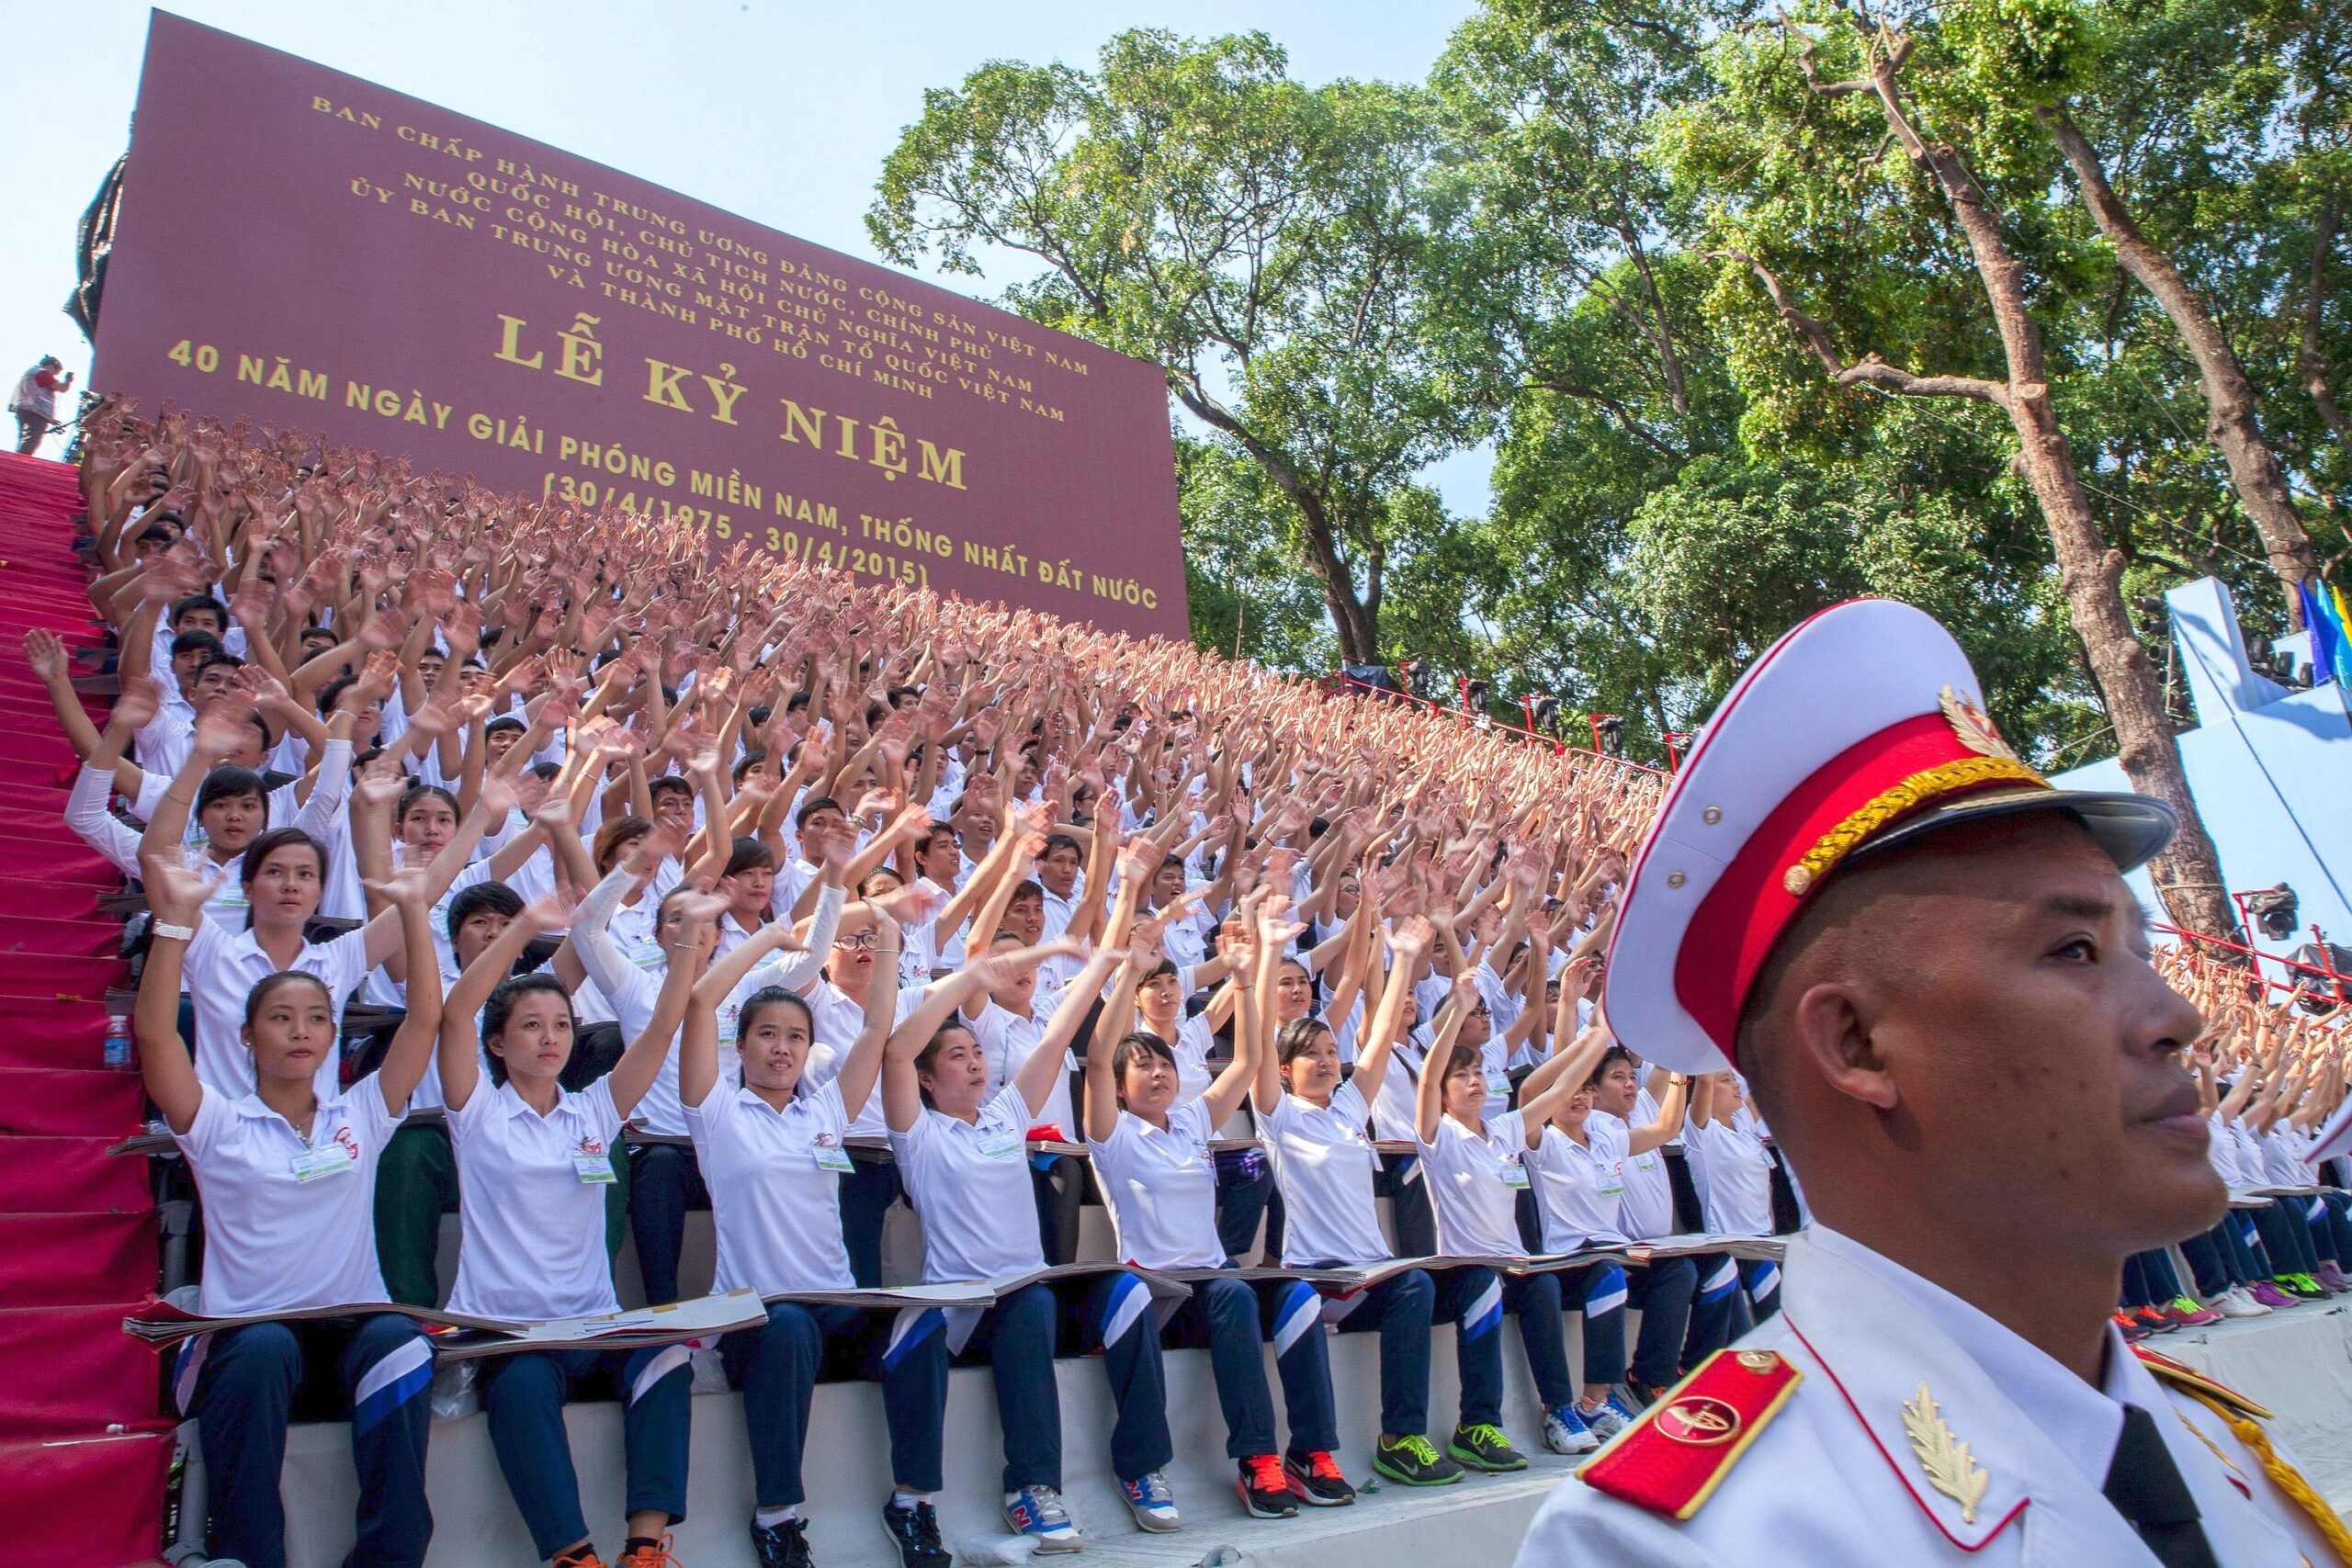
306	249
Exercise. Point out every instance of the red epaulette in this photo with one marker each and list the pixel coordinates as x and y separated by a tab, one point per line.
1673	1458
2188	1379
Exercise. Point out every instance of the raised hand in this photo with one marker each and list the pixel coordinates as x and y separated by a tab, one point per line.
912	904
547	913
223	726
410	886
1410	939
175	895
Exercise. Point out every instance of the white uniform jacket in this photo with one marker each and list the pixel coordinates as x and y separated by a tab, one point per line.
1835	1478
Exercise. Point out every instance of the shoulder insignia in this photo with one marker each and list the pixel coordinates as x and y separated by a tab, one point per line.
2188	1379
1673	1458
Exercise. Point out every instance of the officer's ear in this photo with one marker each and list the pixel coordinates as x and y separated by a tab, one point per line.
1829	1029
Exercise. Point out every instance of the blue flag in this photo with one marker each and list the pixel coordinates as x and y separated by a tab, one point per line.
2327	639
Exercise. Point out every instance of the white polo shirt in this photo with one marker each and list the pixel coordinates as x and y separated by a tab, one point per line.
1580	1187
840	1019
970	1183
1161	1189
634	993
221	968
1646	1207
1324	1163
289	1219
1186	941
1738	1189
531	1217
1475	1182
1494	1062
1394	1113
1192	1052
1008	1039
775	1181
792	879
1054	975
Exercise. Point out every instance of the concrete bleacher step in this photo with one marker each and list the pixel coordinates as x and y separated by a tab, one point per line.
1476	1522
2298	1361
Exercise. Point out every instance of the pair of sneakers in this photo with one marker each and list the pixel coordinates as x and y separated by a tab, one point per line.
1411	1460
639	1554
1273	1488
1039	1514
914	1530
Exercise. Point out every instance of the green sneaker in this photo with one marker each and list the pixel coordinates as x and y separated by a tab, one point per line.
1414	1461
1484	1447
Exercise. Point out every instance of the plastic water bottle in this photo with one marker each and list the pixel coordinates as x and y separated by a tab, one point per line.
118	1048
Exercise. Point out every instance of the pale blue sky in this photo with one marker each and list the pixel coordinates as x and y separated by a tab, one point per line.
779	111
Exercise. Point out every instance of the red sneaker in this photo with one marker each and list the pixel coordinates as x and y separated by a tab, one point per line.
1265	1491
1319	1481
2132	1331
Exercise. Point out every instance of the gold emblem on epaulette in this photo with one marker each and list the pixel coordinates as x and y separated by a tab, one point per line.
1759	1361
1974	727
1951	1469
1698	1421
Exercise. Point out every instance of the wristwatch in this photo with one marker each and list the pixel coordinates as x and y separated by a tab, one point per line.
177	933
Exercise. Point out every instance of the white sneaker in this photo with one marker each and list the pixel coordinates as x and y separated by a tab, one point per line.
2236	1303
1566	1433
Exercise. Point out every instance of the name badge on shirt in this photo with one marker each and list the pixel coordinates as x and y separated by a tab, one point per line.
594	1171
1613	1186
1002	1143
327	1159
1514	1174
1497	1083
831	1156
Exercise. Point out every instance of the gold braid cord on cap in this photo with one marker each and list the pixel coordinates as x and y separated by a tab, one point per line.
2284	1476
1889	804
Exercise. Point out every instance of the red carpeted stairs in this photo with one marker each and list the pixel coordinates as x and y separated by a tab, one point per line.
84	1449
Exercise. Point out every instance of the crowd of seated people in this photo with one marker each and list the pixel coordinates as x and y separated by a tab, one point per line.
531	866
2268	1078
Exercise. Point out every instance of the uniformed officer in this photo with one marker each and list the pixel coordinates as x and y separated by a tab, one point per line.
1925	961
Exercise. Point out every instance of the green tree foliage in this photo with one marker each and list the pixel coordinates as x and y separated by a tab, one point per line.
1262	241
1535	247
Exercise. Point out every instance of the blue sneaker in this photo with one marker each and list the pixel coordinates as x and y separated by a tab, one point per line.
1566	1433
1037	1513
1152	1502
1607	1419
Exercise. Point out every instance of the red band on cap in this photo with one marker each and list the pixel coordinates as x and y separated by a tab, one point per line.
1734	928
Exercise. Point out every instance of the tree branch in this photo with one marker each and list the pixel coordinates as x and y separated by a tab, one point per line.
1871	369
1615	409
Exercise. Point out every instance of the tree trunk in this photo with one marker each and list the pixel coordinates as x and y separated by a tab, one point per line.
2255	471
2188	875
1355	618
2313	359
